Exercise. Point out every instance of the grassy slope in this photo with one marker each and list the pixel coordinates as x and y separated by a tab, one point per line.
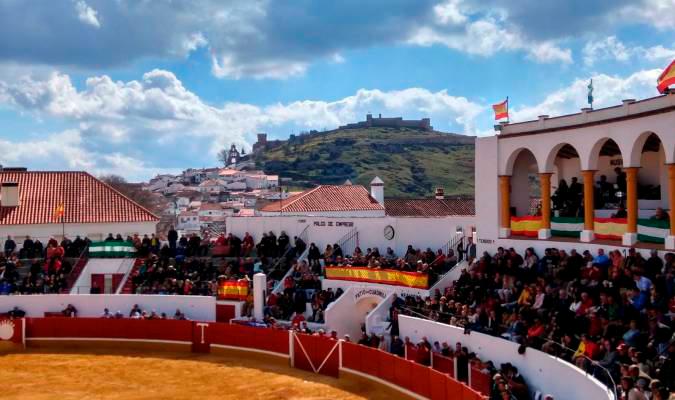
412	163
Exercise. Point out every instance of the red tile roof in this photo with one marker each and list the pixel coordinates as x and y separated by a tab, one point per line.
85	199
327	198
430	207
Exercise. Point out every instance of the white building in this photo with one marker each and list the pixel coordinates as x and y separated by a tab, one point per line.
188	221
637	137
212	186
350	215
29	201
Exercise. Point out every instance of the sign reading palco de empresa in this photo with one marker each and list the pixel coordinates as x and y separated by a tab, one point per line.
333	223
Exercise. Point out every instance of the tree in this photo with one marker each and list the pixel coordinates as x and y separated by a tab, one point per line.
223	155
134	192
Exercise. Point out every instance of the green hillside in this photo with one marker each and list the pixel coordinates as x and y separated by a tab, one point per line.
411	162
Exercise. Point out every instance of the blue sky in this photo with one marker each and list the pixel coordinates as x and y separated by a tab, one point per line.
140	88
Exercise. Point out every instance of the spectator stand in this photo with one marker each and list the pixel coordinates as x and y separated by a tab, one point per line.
279	285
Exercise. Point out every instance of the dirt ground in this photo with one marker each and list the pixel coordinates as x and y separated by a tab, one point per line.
129	374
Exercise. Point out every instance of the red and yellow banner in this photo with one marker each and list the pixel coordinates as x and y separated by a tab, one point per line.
384	276
501	110
609	228
526	226
233	290
666	78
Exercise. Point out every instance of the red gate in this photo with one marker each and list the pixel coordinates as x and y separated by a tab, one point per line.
318	354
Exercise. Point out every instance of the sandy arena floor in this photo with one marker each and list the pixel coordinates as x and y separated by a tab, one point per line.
92	374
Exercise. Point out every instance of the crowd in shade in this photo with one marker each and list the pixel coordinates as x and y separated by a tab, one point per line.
136	312
609	314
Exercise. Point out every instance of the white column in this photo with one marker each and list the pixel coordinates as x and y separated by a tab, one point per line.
259	289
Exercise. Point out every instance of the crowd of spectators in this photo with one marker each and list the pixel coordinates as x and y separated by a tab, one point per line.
136	312
610	314
48	266
434	264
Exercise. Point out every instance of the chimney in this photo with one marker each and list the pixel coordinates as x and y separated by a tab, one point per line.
377	190
440	193
9	194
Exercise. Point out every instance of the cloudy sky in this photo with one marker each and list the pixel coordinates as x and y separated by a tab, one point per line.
140	87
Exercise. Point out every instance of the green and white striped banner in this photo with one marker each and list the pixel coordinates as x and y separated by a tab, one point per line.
653	230
567	226
112	249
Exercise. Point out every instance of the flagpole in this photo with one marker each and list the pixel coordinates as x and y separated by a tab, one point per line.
508	117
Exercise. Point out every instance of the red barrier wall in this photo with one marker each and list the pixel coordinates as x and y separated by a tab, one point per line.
434	384
444	364
109	328
480	381
273	340
321	354
316	354
224	312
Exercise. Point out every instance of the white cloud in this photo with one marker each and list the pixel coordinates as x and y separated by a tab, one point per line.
608	48
608	91
119	118
547	52
87	14
488	36
613	49
656	13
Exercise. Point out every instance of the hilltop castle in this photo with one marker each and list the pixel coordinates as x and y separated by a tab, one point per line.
395	122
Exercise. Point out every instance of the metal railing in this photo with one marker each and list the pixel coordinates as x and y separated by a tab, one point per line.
304	236
349	242
452	243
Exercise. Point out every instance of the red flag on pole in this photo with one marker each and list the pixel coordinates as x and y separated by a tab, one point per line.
501	109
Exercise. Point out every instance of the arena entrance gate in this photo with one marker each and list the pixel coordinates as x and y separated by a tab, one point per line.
318	354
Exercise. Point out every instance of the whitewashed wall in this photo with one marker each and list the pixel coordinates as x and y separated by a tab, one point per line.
202	308
347	313
487	187
420	232
540	370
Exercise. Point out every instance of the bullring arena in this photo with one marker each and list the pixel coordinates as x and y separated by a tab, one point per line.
137	359
535	290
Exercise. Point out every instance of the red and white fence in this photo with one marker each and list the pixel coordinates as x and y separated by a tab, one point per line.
316	354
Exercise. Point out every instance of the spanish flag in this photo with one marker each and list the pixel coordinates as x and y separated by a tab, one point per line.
501	109
59	211
666	78
233	290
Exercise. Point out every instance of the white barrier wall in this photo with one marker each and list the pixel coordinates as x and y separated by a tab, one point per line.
202	308
349	311
541	371
400	290
376	321
419	232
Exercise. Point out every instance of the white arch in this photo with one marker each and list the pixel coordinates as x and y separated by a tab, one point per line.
549	166
635	157
591	155
511	160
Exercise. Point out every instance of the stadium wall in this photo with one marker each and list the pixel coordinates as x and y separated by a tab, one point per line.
543	372
328	230
202	308
313	353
